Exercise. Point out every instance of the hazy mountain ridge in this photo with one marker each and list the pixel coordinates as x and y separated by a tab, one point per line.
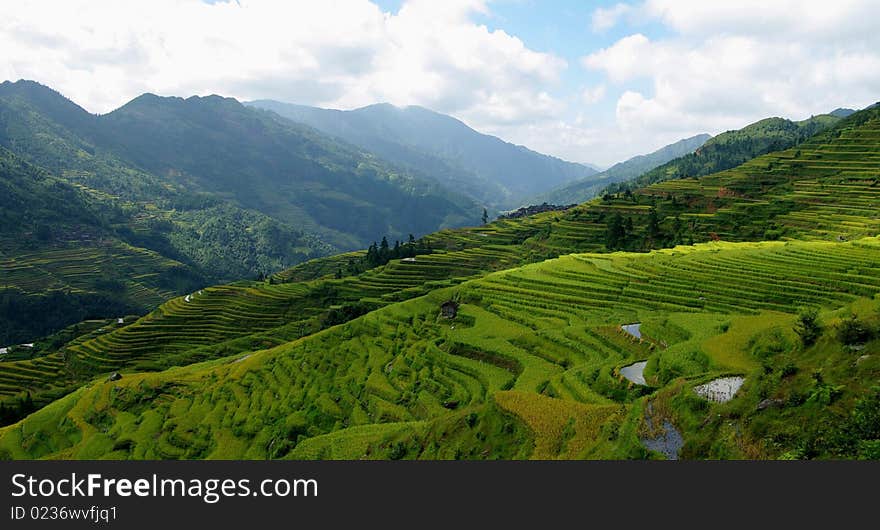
31	118
489	169
585	189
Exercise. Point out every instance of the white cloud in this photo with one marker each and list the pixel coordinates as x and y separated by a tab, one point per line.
623	61
605	18
729	64
342	53
594	94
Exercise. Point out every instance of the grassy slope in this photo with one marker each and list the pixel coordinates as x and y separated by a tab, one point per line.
223	320
540	343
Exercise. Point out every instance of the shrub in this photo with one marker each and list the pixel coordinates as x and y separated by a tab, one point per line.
788	369
854	331
397	451
808	327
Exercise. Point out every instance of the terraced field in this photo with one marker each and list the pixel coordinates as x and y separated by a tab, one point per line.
224	320
824	189
532	358
79	268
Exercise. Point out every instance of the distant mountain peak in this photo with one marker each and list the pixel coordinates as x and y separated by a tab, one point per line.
842	112
34	88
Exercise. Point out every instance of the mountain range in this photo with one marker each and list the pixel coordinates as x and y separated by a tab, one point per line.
189	192
439	147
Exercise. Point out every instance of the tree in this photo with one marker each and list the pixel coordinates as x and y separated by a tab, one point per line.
384	251
373	255
485	216
807	326
677	227
615	233
654	232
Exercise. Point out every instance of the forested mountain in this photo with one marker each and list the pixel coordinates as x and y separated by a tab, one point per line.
217	146
732	148
440	147
290	172
219	189
155	212
576	334
585	189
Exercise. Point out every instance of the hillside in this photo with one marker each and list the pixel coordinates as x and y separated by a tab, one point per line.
226	319
531	364
144	239
496	173
529	367
732	148
147	210
60	261
585	189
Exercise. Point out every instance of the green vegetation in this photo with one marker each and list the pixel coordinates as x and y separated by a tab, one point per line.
769	271
808	327
223	320
60	262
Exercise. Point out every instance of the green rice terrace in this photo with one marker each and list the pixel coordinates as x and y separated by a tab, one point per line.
518	339
527	365
222	320
139	272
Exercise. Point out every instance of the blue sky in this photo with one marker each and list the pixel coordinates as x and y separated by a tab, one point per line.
560	27
595	82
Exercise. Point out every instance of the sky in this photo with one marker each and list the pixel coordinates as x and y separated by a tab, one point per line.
594	82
